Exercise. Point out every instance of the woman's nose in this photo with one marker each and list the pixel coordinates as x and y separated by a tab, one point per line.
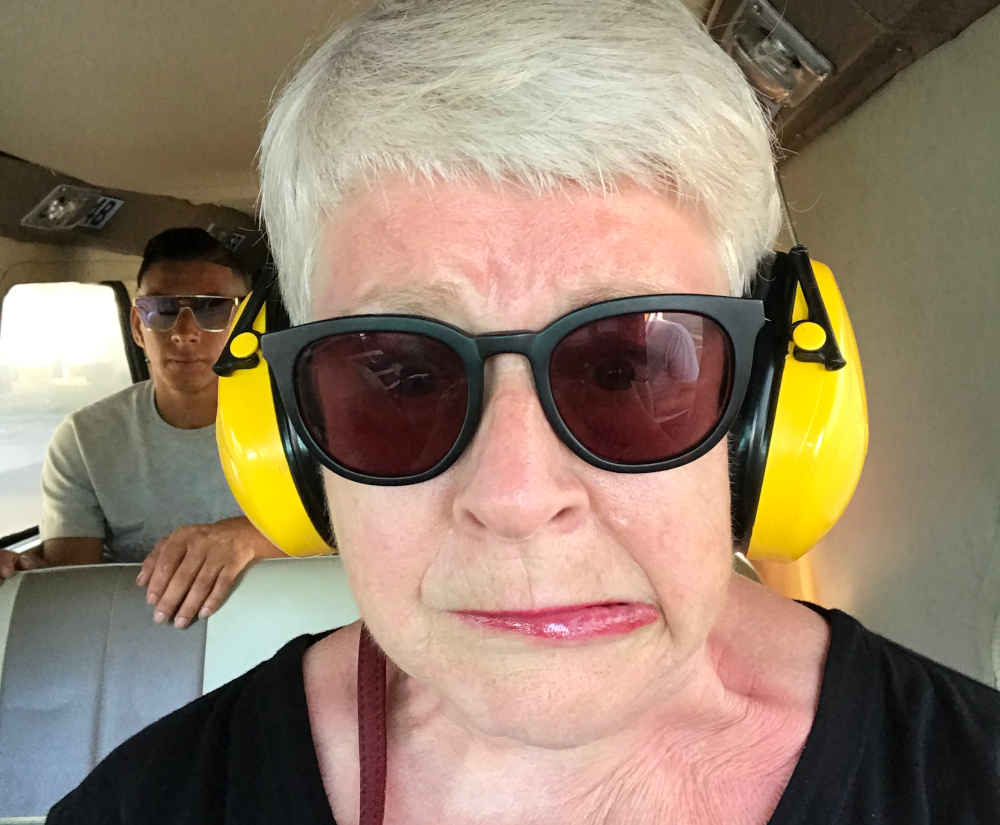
517	479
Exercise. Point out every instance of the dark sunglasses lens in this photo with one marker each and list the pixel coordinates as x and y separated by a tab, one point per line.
213	313
642	387
386	404
159	312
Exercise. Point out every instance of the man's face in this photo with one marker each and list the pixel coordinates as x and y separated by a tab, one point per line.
520	523
181	358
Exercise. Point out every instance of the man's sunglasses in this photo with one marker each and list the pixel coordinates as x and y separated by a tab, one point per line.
629	385
211	312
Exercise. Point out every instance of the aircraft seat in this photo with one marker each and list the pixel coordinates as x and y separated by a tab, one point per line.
83	666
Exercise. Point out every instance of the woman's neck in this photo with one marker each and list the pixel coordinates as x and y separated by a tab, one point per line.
721	747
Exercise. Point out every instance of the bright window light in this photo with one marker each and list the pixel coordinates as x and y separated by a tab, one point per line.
68	323
61	348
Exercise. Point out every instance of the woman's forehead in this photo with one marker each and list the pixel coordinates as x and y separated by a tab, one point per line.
474	250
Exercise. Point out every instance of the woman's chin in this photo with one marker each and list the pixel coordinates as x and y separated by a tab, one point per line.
559	698
569	720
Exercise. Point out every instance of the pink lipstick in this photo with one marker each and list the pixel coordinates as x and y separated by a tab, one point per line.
581	621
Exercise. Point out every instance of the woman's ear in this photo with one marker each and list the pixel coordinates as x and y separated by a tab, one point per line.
135	322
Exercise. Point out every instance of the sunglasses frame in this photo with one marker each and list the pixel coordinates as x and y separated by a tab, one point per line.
144	315
741	319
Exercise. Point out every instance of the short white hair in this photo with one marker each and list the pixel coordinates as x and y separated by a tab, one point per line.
537	92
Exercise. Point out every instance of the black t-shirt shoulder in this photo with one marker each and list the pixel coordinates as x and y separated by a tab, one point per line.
242	753
897	740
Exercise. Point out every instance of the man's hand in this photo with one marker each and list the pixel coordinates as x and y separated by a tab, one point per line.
11	562
191	571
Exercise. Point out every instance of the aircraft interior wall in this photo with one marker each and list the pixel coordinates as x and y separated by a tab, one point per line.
900	199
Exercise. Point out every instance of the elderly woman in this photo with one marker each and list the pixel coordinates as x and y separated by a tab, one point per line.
560	638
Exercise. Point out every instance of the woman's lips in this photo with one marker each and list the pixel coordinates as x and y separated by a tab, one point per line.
584	621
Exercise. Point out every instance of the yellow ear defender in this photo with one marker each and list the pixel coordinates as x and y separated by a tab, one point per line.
267	466
796	450
800	443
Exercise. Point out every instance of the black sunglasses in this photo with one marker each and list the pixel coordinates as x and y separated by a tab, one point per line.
630	385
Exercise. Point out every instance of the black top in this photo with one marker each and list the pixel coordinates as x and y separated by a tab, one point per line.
897	739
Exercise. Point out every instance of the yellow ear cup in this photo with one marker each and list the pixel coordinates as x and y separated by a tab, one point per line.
819	438
253	455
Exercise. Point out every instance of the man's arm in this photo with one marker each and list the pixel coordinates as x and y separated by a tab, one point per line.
72	519
72	551
190	573
52	553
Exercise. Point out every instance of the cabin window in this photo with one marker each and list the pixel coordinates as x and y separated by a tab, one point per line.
61	348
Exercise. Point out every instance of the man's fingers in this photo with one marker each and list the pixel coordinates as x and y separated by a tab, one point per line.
184	580
148	565
8	563
223	584
11	562
28	561
178	587
200	589
170	553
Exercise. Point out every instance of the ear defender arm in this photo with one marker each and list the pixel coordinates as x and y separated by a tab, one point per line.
802	435
269	471
813	336
240	352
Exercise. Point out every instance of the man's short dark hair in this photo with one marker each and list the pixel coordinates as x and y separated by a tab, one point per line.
189	243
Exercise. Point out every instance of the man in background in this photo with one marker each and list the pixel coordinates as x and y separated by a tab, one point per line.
135	477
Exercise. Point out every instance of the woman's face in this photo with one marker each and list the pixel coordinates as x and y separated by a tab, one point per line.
520	523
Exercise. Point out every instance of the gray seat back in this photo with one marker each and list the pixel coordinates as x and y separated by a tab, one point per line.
83	667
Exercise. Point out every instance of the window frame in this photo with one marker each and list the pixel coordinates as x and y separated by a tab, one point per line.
27	537
136	358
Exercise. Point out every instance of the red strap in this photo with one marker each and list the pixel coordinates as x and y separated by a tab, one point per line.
371	728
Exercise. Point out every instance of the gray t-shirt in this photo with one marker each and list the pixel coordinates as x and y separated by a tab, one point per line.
116	470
